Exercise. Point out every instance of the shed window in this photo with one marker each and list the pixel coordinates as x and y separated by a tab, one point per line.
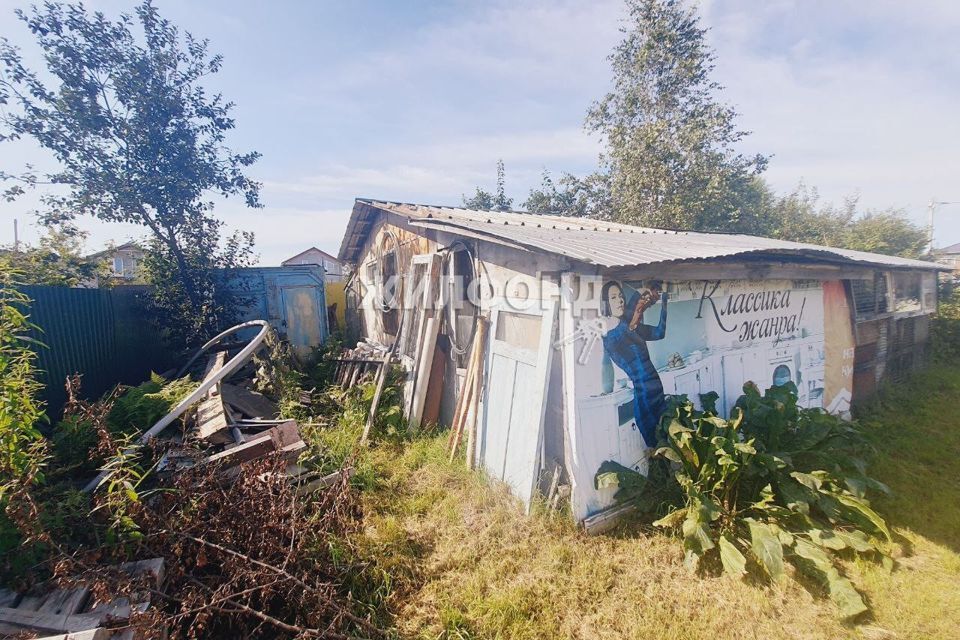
870	296
907	291
463	310
414	302
388	290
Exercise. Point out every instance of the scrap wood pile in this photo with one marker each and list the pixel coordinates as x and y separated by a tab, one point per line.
359	365
243	531
227	421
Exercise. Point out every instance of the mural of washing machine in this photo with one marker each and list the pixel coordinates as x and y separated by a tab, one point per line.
782	366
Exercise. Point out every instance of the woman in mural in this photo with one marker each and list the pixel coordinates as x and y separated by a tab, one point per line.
626	345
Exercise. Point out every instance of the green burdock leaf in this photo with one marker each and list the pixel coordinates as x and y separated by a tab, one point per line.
842	592
871	516
767	548
807	480
827	539
605	480
796	496
733	561
696	538
856	540
672	519
629	483
669	454
745	447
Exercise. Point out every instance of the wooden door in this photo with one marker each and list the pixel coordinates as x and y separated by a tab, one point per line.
302	318
516	383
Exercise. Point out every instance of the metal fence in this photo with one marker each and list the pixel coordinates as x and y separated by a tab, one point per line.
102	334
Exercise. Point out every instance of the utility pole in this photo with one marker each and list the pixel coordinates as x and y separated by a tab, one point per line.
932	208
16	237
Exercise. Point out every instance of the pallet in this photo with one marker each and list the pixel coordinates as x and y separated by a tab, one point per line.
74	613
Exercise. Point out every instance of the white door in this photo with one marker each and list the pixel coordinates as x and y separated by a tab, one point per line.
516	384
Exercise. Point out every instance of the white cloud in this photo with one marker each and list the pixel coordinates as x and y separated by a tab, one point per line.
856	105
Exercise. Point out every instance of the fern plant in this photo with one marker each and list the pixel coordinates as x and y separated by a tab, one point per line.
774	484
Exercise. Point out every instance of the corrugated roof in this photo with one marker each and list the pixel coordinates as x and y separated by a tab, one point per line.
606	244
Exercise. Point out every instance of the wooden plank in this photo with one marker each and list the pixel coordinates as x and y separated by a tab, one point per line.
324	482
284	437
607	519
424	366
431	408
100	633
8	598
382	374
64	601
357	370
155	567
248	402
40	621
481	340
212	424
215	362
31	603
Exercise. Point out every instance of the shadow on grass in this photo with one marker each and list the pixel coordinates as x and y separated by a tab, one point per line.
915	428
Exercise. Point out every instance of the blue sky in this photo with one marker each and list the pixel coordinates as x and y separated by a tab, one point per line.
416	101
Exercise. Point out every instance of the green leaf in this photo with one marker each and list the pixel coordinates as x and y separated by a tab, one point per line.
767	548
605	480
733	561
807	480
696	539
669	454
856	540
672	519
614	474
827	539
796	496
842	592
745	447
872	516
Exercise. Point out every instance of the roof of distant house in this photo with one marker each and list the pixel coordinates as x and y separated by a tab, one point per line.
111	250
954	248
606	244
305	251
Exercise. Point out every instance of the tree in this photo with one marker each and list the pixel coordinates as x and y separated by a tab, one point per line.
798	216
137	137
587	197
486	201
57	260
479	201
671	144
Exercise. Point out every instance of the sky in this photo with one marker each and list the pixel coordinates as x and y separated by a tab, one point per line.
416	100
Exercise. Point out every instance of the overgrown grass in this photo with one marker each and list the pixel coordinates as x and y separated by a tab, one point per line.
450	555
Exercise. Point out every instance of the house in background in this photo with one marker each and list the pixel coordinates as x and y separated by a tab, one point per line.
949	257
332	268
123	262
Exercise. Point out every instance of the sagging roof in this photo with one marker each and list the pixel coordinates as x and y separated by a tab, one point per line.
606	244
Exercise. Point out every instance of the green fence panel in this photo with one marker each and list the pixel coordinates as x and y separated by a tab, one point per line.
102	334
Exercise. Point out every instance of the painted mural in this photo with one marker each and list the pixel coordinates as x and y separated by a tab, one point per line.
717	336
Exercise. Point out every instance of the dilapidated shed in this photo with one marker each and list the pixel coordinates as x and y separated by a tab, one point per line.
592	323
